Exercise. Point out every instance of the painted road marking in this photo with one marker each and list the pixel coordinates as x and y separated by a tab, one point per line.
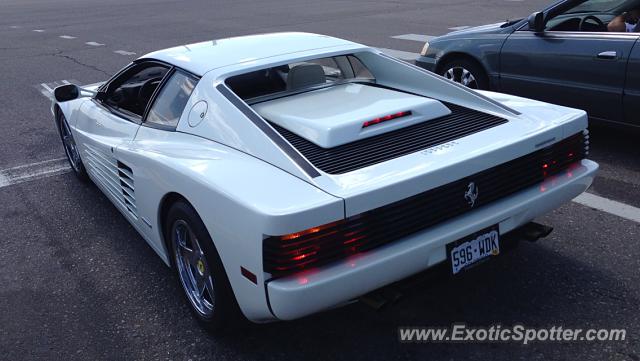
67	37
33	171
49	168
93	43
38	30
400	54
414	37
124	52
610	206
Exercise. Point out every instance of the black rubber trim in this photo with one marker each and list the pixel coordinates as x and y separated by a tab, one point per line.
266	295
269	131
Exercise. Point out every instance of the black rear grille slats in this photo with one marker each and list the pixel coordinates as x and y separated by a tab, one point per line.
362	153
400	219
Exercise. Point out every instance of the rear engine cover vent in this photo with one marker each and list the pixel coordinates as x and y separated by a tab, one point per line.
380	148
128	188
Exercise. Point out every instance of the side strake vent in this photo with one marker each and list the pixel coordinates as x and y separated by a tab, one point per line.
128	188
380	148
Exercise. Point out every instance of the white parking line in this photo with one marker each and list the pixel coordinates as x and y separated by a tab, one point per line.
124	52
67	37
93	43
610	206
404	55
33	171
414	37
38	30
48	168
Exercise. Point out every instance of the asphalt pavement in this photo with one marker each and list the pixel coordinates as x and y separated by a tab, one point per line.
77	282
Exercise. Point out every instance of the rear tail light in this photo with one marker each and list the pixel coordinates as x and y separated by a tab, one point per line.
563	153
295	252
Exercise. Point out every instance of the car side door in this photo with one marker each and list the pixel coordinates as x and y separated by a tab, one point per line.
584	70
156	136
112	119
632	88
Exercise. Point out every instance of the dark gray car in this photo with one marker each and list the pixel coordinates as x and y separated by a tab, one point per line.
563	54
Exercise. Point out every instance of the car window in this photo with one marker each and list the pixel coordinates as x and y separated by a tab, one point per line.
359	70
331	69
170	102
597	6
588	16
132	90
298	76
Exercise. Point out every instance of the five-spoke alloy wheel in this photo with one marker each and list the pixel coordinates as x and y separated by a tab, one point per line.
200	271
70	147
193	269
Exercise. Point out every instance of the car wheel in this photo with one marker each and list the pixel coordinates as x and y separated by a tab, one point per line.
70	148
200	271
466	73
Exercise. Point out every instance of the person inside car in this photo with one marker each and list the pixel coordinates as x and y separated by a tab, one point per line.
626	22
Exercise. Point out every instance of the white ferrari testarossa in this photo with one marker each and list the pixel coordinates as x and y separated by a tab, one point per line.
285	174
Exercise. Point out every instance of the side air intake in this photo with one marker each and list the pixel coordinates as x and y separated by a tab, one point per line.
128	188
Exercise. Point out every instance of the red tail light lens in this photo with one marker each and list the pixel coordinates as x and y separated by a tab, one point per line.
385	118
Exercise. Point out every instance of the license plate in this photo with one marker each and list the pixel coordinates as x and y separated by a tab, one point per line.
473	249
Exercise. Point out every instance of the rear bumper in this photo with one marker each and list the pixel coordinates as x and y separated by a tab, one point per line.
318	289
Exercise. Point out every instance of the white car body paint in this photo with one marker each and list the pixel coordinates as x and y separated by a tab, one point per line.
245	186
334	116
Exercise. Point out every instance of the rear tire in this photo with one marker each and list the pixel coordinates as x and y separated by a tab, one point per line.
200	272
465	72
70	148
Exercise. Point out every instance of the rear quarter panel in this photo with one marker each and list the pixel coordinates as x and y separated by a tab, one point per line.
239	198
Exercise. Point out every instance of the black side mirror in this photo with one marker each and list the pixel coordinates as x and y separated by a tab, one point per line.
67	92
536	22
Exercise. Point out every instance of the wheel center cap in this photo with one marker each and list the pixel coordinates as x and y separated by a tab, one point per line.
200	266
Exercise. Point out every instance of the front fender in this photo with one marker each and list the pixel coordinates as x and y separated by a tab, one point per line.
70	110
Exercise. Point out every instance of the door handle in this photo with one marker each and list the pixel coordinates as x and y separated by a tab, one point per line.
609	55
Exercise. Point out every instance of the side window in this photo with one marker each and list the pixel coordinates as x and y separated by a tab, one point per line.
132	91
359	70
170	102
592	16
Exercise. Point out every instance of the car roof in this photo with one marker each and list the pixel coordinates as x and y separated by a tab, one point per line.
202	57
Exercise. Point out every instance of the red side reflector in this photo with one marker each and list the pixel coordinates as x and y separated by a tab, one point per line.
385	118
249	275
